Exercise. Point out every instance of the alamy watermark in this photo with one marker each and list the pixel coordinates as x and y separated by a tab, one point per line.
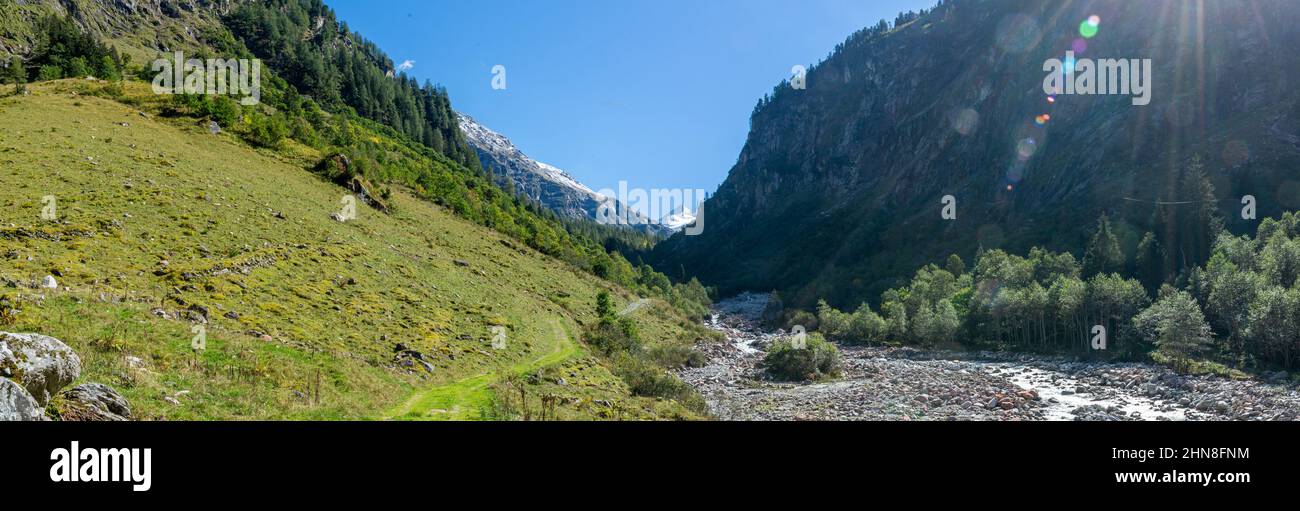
1129	77
658	204
235	77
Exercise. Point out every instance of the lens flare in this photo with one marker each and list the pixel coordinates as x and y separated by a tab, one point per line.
1088	29
1051	99
1026	148
1042	119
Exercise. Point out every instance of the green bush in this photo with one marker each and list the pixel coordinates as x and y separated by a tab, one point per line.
816	360
603	306
612	336
222	109
647	380
8	309
677	356
801	318
77	68
861	327
266	131
49	72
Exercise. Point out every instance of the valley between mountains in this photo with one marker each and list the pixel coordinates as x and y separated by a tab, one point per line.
348	245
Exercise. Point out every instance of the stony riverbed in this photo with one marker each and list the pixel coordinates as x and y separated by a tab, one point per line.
882	383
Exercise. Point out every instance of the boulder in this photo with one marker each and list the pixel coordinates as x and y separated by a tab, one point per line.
41	364
17	405
94	402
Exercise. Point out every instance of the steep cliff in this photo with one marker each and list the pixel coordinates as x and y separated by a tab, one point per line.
837	192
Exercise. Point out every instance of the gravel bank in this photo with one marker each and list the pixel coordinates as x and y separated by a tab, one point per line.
908	384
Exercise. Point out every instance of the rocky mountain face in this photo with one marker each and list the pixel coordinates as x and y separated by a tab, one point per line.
547	185
139	28
838	191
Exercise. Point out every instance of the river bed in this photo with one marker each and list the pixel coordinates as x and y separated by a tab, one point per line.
887	383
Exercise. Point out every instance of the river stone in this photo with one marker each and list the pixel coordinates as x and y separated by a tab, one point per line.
17	405
94	402
41	364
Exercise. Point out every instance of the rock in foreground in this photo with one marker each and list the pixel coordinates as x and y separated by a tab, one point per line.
39	363
94	402
17	405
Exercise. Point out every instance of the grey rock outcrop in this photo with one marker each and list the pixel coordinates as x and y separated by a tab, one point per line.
94	402
17	405
40	364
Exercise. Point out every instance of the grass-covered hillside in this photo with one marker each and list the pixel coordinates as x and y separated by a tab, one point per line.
162	225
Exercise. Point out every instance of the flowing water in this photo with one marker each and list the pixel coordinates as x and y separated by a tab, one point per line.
883	383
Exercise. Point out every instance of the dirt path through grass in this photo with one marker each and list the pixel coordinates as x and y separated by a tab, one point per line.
634	306
464	399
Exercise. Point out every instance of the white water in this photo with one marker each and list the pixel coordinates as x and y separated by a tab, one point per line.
1057	390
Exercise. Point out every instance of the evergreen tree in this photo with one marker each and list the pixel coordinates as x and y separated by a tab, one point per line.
955	265
604	308
1147	262
1103	254
17	75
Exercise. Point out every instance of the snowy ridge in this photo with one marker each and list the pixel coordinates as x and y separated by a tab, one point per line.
546	184
678	219
484	139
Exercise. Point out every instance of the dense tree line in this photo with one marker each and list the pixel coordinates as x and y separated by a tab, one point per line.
1241	308
324	60
62	50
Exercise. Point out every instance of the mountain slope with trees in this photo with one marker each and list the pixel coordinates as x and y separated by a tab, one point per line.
424	200
837	192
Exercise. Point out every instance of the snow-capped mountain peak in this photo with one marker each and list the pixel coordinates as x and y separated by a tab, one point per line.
678	219
550	186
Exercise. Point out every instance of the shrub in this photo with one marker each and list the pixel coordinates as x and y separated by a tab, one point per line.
863	326
302	131
802	318
111	90
603	306
647	380
266	131
8	310
612	336
49	72
816	360
223	110
677	356
107	69
77	68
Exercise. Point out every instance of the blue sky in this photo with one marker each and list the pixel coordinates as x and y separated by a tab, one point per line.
654	92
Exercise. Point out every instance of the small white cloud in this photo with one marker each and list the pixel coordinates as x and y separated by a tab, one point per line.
406	65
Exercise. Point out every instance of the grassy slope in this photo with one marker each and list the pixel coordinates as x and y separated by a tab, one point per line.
158	213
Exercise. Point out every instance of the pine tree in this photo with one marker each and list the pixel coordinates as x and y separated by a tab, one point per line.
1200	223
1103	254
955	265
1147	262
17	75
603	306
